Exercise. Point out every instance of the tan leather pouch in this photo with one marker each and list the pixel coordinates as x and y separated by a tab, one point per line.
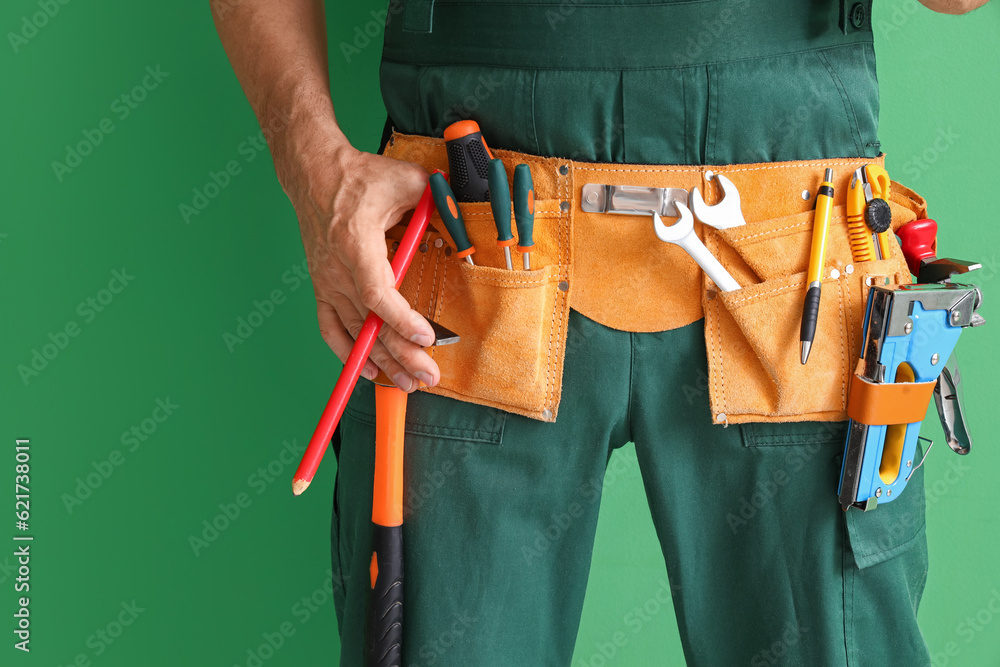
752	334
512	324
613	269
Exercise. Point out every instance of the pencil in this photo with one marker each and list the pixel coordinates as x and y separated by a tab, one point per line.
359	353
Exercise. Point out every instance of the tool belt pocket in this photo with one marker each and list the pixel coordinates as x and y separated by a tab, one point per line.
512	324
752	334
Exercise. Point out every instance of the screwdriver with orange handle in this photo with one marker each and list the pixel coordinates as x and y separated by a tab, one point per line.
468	161
448	209
524	212
500	203
363	345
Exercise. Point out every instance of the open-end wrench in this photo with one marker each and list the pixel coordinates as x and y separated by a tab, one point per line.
723	215
682	233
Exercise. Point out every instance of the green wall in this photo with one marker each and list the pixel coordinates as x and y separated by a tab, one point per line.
117	517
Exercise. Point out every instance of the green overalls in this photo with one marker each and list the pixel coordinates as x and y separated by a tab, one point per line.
501	510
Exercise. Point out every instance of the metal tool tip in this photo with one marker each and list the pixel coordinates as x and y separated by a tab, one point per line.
829	175
806	345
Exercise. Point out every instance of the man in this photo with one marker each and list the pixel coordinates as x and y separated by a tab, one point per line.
709	83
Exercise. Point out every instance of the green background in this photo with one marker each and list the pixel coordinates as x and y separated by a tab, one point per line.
161	337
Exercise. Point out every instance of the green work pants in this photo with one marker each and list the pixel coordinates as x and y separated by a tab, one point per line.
500	514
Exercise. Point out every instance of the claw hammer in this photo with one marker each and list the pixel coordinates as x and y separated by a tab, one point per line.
384	622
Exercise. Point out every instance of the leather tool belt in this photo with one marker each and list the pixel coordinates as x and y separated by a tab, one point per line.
614	270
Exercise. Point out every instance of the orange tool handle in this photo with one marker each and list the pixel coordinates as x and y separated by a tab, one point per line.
384	632
390	417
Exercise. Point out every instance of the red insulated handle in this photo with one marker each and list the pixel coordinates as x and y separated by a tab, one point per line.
919	242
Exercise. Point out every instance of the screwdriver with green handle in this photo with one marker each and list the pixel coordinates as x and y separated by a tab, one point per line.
500	203
448	209
524	212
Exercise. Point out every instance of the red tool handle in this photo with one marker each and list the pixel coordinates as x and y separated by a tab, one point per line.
919	242
359	353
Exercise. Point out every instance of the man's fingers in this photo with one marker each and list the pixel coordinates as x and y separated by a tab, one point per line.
339	339
405	363
413	357
377	291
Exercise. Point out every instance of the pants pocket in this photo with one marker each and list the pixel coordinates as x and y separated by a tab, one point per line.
792	434
891	528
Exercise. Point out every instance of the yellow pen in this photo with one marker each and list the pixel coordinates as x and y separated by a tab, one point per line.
821	224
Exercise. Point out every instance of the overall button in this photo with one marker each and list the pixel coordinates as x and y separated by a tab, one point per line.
858	15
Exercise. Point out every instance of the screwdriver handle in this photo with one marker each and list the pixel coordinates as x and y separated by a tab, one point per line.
468	161
919	242
524	207
500	202
447	207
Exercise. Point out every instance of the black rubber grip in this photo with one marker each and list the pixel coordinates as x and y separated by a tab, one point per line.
810	313
384	630
468	166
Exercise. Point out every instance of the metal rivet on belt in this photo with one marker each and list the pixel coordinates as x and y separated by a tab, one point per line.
424	247
849	269
834	273
806	195
564	170
438	243
721	417
447	251
564	205
546	414
934	359
563	286
710	294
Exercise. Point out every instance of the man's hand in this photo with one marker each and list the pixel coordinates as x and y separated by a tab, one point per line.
953	6
346	200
